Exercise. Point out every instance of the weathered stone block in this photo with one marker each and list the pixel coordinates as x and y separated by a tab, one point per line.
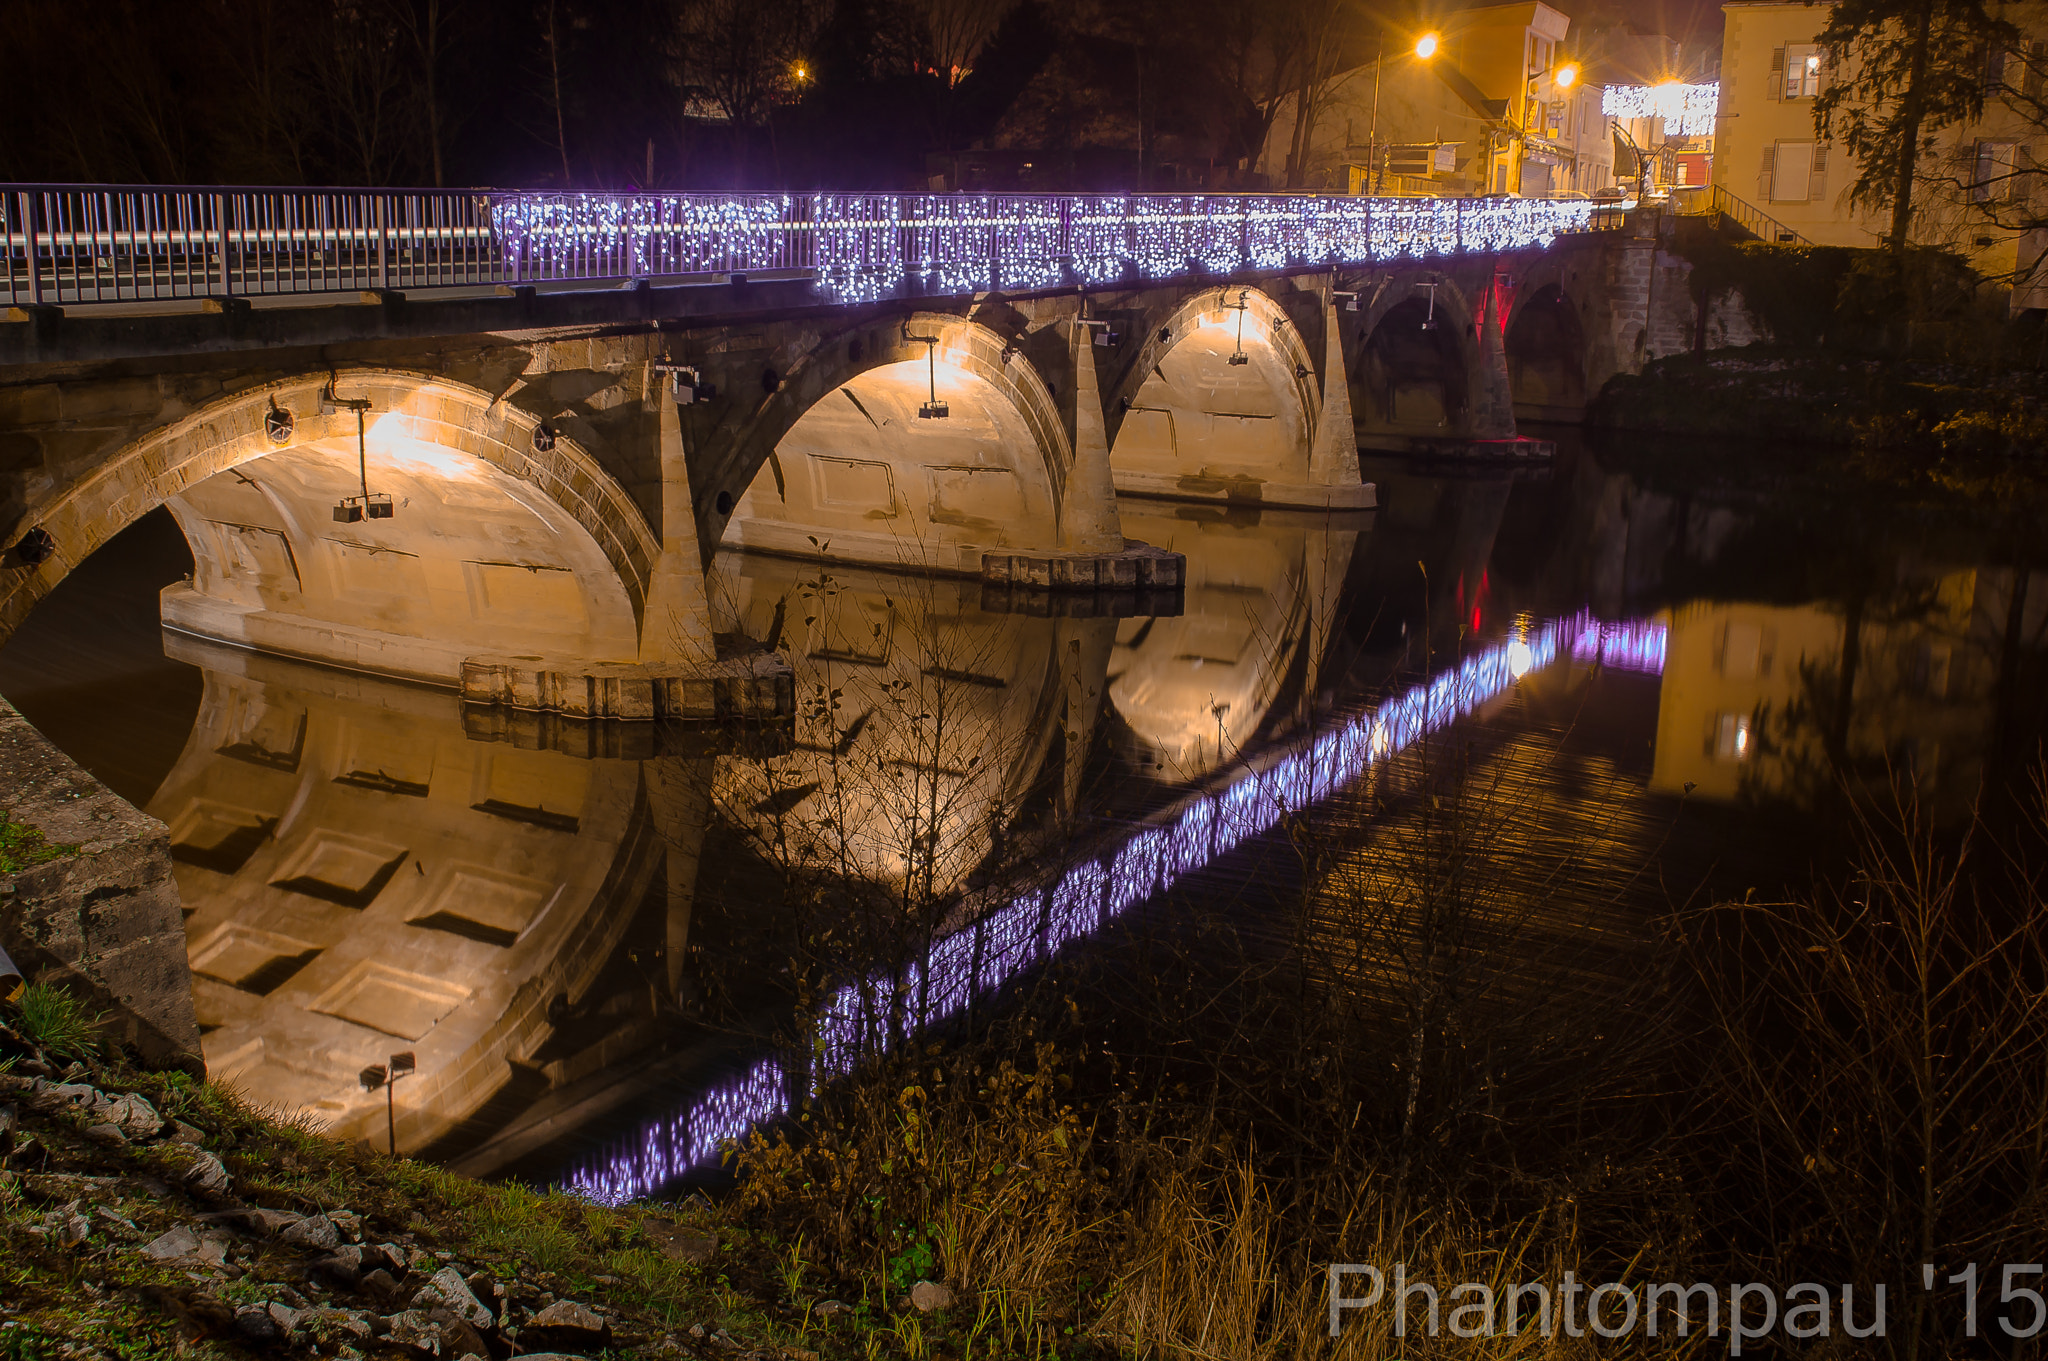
104	919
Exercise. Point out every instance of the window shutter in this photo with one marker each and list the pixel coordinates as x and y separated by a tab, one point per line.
1817	182
1774	88
1763	182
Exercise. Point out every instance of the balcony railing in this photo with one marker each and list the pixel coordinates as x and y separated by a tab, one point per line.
73	244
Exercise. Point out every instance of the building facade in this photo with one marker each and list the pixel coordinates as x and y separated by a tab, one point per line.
1484	113
1975	180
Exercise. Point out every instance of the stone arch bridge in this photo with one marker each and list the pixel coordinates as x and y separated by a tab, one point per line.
563	459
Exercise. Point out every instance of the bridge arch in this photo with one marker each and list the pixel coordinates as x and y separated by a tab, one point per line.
1418	352
1546	353
840	453
457	461
1192	418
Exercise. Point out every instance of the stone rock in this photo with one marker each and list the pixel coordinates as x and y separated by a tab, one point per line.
679	1243
285	1317
50	1098
136	1117
344	1264
185	1246
55	1188
9	1118
436	1333
314	1231
349	1223
254	1217
832	1308
926	1296
566	1323
108	1133
65	1225
381	1283
207	1174
447	1290
254	1322
182	1133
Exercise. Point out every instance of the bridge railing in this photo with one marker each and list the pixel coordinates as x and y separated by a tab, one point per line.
64	244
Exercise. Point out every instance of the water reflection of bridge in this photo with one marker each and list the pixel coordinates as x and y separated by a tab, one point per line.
363	877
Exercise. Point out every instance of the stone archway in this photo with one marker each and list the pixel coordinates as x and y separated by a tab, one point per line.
989	373
1416	357
1221	401
926	458
1546	353
176	459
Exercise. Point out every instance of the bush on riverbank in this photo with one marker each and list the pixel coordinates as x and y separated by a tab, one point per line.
1907	424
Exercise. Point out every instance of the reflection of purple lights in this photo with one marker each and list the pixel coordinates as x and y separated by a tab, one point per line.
865	1017
864	246
1632	645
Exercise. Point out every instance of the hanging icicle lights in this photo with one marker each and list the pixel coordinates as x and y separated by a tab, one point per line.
869	1015
866	246
1687	110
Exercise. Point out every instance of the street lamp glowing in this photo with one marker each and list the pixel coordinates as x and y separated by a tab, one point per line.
1566	77
801	72
1425	46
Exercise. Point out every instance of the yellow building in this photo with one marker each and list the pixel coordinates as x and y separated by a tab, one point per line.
1766	151
1483	112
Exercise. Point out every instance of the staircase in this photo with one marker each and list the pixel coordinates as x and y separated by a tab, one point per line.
1730	212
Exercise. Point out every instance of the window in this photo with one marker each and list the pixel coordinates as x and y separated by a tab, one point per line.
1791	172
1994	178
1729	737
1802	70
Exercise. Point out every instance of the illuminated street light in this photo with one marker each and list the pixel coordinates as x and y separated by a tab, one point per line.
1426	45
933	410
1566	77
1242	305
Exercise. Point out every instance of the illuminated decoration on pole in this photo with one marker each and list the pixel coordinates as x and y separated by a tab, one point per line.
862	247
870	1015
933	410
1239	356
1687	110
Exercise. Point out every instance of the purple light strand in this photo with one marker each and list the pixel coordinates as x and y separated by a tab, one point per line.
862	1018
865	246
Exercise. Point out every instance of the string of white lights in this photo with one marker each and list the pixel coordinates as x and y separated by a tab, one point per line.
868	246
869	1015
1687	110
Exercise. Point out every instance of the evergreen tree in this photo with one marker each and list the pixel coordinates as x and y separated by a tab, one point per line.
1899	71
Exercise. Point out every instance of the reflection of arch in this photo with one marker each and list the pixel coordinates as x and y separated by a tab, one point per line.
937	713
1546	349
362	880
1192	422
1195	688
992	385
430	411
1414	367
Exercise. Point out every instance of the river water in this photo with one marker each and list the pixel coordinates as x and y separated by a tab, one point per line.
587	940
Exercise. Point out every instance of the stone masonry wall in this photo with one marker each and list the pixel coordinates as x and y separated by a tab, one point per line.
105	920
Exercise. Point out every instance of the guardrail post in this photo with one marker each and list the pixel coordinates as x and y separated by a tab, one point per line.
220	225
383	241
30	247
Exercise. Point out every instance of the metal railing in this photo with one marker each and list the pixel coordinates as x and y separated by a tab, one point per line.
74	244
1715	201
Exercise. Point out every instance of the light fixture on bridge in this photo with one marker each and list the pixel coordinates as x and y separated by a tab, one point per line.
368	505
933	410
1429	321
1350	299
34	548
277	424
1242	305
685	385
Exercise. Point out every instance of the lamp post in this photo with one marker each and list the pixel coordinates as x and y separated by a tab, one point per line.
377	1075
1425	48
1561	78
